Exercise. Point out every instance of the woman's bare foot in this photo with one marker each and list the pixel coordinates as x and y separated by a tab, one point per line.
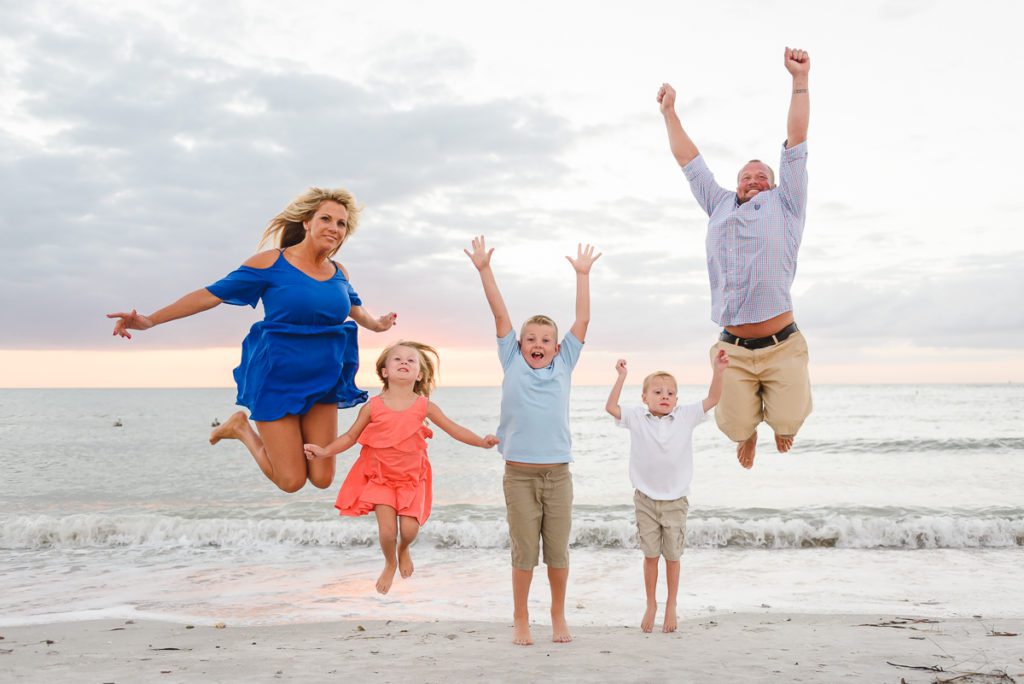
560	633
521	632
647	624
405	566
670	623
230	428
783	443
745	451
387	576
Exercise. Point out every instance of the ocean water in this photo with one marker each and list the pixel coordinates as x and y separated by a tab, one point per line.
895	499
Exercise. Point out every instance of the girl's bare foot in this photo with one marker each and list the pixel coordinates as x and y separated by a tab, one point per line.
405	566
387	576
230	428
745	451
783	443
521	632
670	619
647	624
560	633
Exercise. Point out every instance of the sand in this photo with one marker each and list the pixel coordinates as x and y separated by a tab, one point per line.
725	648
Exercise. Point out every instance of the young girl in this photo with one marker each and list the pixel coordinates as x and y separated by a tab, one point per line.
392	477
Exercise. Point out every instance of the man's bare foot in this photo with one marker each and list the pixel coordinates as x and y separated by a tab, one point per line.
560	633
647	624
521	632
387	576
405	563
783	443
745	451
670	620
230	428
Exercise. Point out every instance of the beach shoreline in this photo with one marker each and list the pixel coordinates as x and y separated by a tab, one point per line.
748	647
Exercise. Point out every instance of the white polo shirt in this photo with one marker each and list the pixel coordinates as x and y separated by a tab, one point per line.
661	449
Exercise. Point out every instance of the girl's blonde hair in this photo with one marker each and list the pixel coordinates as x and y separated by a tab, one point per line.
286	228
428	368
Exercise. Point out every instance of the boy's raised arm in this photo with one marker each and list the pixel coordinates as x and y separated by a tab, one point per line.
612	405
582	264
481	258
715	390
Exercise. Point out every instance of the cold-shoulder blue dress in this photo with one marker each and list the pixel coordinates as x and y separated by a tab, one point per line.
303	352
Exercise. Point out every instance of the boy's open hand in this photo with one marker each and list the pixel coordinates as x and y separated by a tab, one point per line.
620	368
480	256
313	452
721	361
585	258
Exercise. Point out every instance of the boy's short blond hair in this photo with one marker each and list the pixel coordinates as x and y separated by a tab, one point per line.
659	374
539	319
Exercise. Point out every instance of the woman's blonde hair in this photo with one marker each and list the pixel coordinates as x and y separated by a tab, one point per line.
286	228
428	368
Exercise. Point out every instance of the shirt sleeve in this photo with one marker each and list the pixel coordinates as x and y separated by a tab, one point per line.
793	178
244	285
570	350
628	419
507	349
706	191
696	415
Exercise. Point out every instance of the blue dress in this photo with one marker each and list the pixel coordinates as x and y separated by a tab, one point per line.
303	352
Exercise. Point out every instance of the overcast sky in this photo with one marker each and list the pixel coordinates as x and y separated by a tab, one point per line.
143	150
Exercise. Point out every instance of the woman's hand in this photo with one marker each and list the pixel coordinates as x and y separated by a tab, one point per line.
132	320
386	321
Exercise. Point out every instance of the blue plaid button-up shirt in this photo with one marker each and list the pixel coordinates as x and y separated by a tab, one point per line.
752	247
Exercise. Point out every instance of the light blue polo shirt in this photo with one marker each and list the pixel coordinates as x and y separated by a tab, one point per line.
534	425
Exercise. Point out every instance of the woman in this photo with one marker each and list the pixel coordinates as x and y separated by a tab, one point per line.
299	363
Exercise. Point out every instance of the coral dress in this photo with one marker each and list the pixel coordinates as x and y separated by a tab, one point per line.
392	468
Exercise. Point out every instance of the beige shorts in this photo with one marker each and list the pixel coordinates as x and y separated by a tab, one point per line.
661	526
769	384
539	505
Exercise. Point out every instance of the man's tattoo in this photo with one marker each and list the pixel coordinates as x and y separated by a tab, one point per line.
799	90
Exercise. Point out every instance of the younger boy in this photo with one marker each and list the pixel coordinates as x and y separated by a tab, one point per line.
534	438
661	469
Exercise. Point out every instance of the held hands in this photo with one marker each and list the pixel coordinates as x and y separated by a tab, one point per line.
797	62
720	361
314	452
480	256
620	368
585	258
129	321
489	442
666	98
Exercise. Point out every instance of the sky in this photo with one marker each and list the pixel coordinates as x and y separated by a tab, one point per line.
143	149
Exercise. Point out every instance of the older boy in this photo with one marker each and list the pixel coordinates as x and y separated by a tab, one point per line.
661	469
534	438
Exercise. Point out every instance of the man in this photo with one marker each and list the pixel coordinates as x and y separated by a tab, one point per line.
753	238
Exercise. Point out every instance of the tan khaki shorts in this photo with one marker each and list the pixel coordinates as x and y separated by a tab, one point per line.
661	526
769	384
539	505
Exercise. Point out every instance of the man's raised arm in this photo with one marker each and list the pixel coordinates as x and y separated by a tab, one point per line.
798	63
683	148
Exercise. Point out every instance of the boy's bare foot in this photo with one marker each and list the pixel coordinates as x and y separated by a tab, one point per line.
560	633
647	624
783	443
670	620
405	566
387	576
745	451
230	428
521	632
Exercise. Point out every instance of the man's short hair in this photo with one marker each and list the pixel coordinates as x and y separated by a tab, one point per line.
771	174
659	374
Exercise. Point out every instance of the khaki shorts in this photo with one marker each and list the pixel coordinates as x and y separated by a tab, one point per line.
769	384
661	526
539	505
